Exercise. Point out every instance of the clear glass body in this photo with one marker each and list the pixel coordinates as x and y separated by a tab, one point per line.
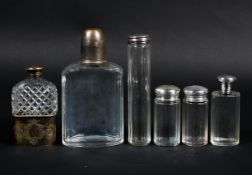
139	116
34	107
167	122
92	105
195	123
225	119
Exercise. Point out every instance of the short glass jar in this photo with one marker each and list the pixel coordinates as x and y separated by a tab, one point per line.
195	116
167	118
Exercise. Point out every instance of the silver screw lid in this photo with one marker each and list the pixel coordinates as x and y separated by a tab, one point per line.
139	39
168	92
226	83
195	93
35	71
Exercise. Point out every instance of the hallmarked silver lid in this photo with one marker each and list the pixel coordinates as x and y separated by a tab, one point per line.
195	93
168	92
226	83
139	39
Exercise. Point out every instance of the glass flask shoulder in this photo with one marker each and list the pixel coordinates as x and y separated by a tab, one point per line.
233	94
34	83
78	66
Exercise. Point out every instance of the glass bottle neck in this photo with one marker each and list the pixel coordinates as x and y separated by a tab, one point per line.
35	75
226	88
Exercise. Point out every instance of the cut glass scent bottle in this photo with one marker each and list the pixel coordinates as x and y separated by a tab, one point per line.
92	97
225	114
34	107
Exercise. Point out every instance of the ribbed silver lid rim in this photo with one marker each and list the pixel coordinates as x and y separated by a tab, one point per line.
139	39
195	90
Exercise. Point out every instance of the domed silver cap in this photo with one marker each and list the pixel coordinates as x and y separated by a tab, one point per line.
93	46
168	92
195	93
226	78
226	83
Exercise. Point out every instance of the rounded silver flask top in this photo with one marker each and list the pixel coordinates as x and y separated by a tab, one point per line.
168	92
195	93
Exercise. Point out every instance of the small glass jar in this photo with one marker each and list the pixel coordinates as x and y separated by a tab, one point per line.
225	114
167	118
195	116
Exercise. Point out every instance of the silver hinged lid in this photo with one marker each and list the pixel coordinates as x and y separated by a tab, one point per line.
195	93
226	83
168	92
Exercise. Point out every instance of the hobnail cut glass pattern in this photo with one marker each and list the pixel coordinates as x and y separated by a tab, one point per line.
34	97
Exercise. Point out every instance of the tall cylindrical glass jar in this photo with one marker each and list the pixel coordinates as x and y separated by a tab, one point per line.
195	116
139	116
167	119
